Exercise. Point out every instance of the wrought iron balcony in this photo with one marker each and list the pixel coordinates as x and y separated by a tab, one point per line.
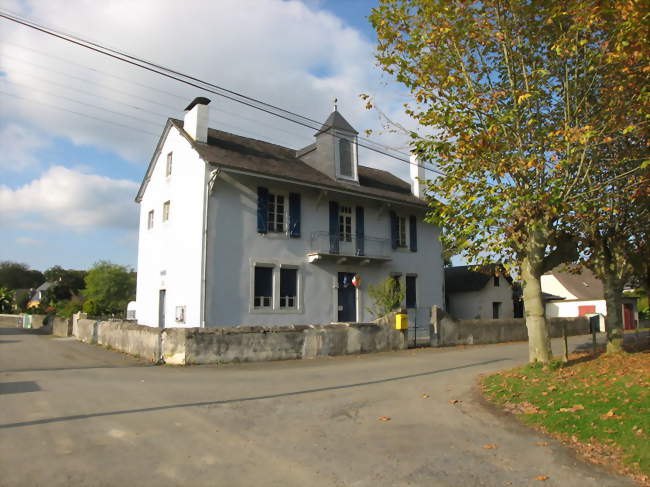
352	248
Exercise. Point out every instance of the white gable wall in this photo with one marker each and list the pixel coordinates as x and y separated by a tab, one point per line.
551	285
170	254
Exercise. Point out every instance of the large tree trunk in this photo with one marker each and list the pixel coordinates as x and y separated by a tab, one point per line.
539	341
614	319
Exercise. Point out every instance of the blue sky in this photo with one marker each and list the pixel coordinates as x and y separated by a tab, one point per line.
77	129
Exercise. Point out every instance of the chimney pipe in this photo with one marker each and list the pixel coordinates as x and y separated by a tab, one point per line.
417	177
197	119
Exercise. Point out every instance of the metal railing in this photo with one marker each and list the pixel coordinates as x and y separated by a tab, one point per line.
350	245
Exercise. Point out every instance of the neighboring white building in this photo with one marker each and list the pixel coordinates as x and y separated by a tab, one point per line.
472	294
236	231
580	295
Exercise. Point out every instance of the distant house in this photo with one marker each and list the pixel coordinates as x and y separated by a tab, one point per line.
581	295
38	294
472	294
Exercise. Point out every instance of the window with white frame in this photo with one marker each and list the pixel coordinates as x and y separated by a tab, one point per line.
288	288
345	158
150	220
345	223
166	211
402	227
276	213
263	287
168	167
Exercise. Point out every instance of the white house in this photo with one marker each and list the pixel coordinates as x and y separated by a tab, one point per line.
474	294
236	231
582	294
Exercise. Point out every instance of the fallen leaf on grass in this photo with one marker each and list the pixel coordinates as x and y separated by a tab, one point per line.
491	446
541	477
383	418
572	409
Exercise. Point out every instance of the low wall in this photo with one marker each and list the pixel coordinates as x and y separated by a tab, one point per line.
182	346
448	331
142	341
62	327
11	320
644	323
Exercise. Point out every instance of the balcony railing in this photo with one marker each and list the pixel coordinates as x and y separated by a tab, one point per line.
356	246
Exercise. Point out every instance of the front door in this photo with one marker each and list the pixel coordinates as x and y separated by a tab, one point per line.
628	317
347	298
161	309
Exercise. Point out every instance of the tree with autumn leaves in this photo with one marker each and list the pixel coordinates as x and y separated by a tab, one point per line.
525	98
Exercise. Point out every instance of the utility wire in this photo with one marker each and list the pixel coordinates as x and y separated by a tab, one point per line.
150	122
194	82
130	128
214	110
235	127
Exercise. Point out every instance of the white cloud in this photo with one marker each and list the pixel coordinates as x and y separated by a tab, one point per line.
288	53
19	145
66	198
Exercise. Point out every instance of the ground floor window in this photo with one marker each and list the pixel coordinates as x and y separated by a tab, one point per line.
288	288
263	287
496	308
275	287
411	296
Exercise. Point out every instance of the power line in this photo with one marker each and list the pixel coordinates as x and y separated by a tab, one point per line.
235	127
131	128
150	122
163	71
148	87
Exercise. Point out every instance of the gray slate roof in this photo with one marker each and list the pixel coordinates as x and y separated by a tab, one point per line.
460	279
258	157
337	121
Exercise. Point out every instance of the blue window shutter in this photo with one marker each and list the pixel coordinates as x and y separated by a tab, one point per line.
413	230
393	229
262	209
360	232
294	215
334	227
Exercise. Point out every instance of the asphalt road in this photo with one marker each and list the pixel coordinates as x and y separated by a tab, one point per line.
78	415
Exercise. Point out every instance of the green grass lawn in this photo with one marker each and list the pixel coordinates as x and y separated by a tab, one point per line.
600	405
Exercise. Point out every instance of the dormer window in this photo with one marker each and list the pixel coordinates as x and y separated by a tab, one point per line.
346	157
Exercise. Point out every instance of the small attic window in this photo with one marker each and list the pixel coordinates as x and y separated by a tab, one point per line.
346	158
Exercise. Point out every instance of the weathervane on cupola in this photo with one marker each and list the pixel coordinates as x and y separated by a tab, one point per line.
336	106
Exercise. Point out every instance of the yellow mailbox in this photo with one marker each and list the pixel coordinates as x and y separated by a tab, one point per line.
401	321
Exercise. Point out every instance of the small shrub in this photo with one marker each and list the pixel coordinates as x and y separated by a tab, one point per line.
386	297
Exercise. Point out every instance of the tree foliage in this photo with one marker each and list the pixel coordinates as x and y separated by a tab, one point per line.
514	92
6	300
67	282
14	275
386	296
109	288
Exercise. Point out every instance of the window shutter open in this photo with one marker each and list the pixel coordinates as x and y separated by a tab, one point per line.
294	215
360	232
413	229
262	209
334	227
394	230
